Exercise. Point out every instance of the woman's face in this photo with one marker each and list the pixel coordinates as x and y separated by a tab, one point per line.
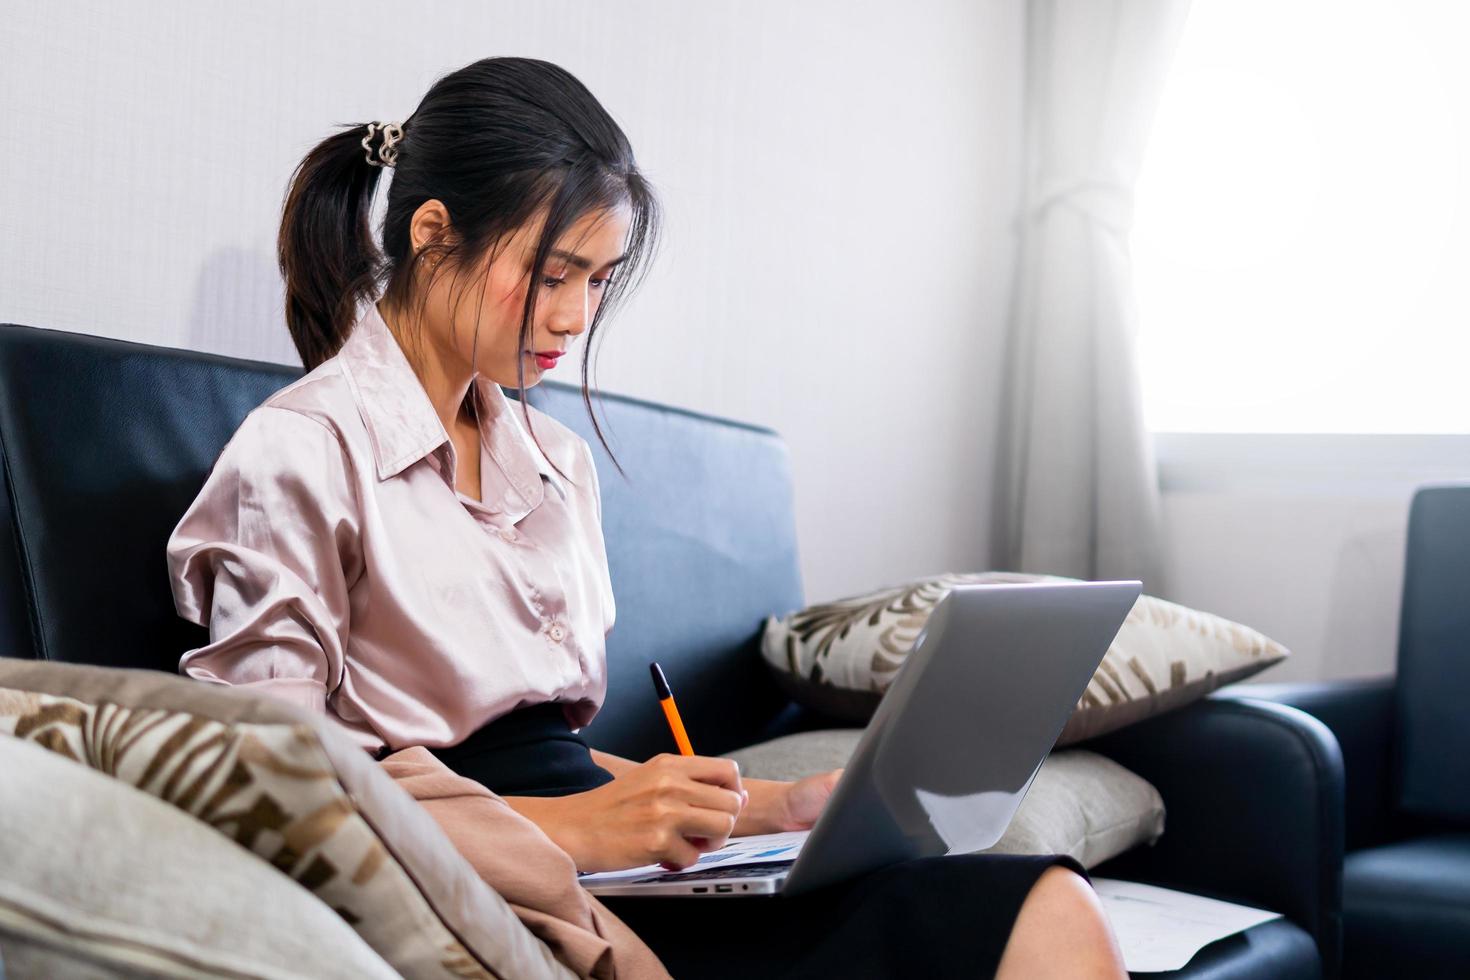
570	289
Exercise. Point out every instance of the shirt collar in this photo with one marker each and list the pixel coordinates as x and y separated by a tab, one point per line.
403	427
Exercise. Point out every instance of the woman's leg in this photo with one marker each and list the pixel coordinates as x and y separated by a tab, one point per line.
1061	932
957	917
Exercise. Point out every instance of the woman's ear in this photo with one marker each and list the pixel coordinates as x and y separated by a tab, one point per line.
430	224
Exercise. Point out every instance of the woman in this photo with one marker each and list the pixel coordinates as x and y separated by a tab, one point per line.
390	542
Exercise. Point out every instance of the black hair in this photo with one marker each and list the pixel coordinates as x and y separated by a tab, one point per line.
497	142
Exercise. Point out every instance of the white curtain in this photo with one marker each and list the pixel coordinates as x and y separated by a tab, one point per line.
1078	493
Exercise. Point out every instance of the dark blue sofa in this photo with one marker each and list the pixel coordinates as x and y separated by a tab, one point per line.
104	443
1406	748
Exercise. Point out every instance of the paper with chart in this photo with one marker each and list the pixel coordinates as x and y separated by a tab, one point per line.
755	849
1159	929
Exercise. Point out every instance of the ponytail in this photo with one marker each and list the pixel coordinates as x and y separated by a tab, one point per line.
325	246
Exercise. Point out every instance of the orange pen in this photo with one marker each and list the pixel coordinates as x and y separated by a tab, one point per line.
671	710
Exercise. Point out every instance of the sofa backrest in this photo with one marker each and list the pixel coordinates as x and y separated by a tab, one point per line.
1433	741
104	444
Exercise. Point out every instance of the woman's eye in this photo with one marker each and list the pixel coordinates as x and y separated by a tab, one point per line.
600	283
551	283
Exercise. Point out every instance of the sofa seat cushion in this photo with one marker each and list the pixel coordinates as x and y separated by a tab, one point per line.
100	879
1275	950
1406	908
1081	803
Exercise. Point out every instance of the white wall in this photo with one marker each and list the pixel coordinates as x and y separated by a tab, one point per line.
1301	536
839	178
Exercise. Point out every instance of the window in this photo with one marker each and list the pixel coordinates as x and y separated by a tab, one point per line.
1301	238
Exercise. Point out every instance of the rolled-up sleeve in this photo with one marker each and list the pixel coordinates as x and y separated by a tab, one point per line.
266	556
609	602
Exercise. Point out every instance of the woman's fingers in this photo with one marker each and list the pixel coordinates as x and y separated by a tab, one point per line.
806	799
679	846
709	797
704	769
698	821
678	855
702	781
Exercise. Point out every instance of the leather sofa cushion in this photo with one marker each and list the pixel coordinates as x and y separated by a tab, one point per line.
1406	909
1274	950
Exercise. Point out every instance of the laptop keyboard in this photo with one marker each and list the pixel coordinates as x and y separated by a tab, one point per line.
737	871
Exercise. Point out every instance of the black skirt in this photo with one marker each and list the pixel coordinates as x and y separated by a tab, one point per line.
930	917
530	752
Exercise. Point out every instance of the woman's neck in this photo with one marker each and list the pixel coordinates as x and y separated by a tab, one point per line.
444	378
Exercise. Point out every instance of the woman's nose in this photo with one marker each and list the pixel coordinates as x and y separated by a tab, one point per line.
572	315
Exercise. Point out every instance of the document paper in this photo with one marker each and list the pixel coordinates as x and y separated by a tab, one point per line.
1160	930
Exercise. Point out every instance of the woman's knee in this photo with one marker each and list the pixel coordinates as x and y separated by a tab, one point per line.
1061	931
1064	892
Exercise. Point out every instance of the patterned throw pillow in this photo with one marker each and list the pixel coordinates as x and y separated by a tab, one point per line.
839	657
283	785
100	880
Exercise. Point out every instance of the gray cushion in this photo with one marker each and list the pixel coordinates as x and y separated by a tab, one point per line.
98	878
292	788
1081	803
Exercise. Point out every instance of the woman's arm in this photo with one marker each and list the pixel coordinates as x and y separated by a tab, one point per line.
774	805
614	764
274	592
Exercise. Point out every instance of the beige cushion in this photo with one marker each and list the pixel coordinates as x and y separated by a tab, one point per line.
839	657
285	785
99	879
1080	803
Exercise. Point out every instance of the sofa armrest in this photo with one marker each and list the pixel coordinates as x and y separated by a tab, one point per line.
1360	714
1253	794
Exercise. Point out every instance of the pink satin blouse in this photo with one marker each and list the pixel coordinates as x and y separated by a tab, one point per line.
338	567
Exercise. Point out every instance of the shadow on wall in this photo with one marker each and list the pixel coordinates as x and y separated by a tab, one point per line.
1363	599
237	308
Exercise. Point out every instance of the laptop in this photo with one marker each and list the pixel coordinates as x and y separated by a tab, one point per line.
949	754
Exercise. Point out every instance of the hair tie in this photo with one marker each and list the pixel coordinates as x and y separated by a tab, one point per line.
387	152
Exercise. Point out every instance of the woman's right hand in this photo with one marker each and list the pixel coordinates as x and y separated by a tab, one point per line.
667	811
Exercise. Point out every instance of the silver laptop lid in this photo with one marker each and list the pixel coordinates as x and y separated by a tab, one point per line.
965	725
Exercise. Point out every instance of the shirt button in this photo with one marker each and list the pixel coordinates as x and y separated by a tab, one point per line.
509	534
556	632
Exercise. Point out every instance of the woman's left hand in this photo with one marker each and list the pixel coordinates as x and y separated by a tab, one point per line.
777	806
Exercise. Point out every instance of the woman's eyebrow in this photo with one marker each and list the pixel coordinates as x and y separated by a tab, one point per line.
578	261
